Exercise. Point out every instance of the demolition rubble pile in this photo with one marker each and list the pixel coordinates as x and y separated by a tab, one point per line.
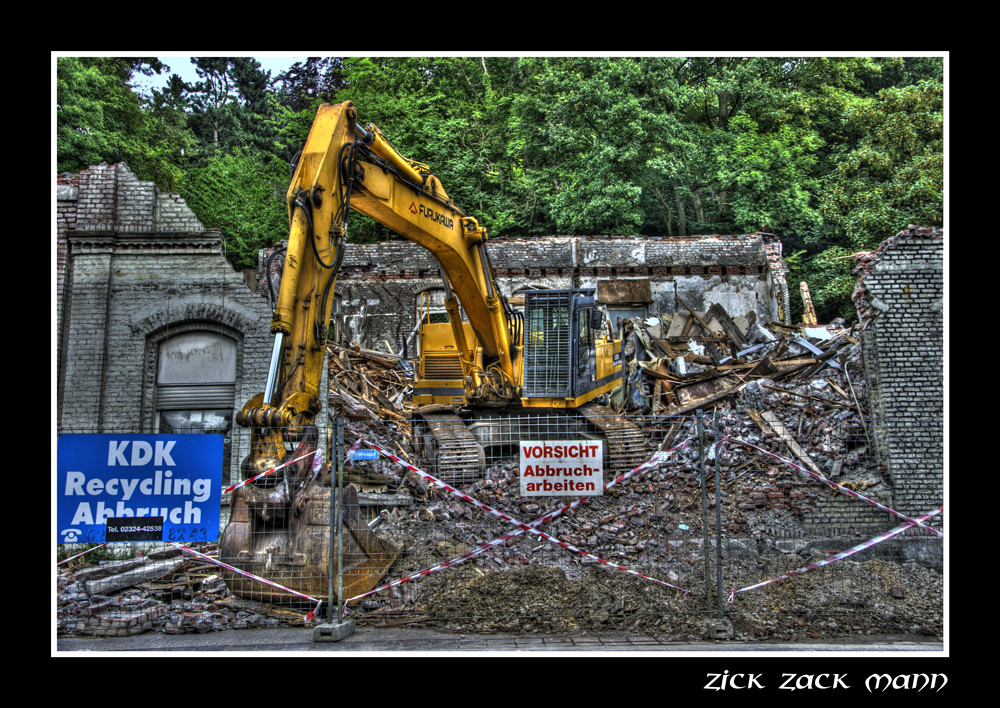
368	385
162	590
794	391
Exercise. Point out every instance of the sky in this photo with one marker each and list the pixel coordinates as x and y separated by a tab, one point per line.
182	66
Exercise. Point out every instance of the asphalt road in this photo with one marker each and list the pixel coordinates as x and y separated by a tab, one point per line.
395	640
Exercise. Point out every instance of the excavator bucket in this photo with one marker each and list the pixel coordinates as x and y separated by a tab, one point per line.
297	555
281	533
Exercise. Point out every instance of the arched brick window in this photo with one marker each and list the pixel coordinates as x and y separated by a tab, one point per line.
196	386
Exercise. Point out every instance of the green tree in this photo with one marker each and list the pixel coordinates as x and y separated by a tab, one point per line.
212	102
754	152
892	174
170	110
887	172
231	104
306	84
771	177
469	139
596	134
256	102
99	118
674	145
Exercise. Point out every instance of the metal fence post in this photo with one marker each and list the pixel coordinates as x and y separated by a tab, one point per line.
704	516
331	456
718	517
340	520
336	628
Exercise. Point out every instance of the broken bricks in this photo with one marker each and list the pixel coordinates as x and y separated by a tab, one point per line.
162	590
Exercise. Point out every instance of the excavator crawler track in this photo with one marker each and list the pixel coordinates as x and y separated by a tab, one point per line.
626	442
455	454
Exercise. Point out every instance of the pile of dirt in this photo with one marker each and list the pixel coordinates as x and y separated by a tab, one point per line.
529	584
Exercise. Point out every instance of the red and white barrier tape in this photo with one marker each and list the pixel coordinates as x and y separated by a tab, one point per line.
81	554
350	452
216	561
845	490
262	474
843	554
522	527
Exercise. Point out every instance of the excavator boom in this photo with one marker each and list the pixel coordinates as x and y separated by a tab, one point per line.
485	359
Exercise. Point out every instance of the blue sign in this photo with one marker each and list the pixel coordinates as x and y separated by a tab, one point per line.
101	478
364	455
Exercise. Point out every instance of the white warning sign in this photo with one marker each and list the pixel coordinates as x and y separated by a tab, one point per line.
562	468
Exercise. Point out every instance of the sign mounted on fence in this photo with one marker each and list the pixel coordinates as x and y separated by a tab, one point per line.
562	468
172	482
365	454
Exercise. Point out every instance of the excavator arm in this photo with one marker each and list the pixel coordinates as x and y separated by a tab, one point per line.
345	167
277	523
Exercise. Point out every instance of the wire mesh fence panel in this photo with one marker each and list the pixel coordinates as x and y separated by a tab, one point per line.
730	515
812	542
520	543
801	583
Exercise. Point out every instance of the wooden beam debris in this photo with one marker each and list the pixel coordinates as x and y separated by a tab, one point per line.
700	347
809	312
704	325
782	432
143	572
728	325
367	384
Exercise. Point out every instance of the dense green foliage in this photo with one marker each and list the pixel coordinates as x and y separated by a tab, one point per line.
831	155
242	193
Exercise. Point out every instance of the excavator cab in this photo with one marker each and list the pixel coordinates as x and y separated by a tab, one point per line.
566	357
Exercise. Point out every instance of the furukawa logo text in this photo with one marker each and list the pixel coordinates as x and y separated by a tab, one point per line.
432	214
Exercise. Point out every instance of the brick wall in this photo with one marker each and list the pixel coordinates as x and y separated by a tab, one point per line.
380	283
900	299
134	265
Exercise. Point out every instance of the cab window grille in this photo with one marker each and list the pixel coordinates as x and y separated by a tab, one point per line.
547	348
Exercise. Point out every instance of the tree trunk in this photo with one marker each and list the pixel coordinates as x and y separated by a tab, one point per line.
724	97
723	109
681	217
668	216
721	198
699	210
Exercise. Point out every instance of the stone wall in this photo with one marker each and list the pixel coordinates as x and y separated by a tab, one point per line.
134	265
900	300
380	284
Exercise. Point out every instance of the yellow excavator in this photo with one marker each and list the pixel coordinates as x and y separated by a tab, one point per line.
473	372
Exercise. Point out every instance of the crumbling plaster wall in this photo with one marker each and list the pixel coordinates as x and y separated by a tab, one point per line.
135	265
900	300
380	283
